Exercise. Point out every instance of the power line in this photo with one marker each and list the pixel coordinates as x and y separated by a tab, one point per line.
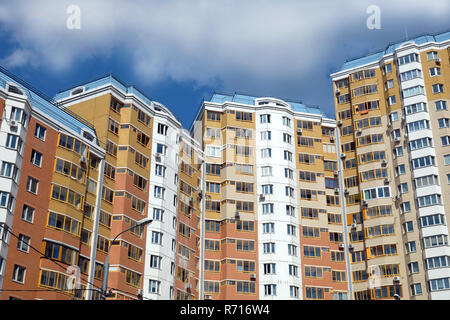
43	255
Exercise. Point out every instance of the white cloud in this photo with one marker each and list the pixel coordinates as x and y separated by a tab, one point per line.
279	46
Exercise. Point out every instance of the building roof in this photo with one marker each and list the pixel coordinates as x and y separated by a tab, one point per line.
296	106
111	79
46	105
374	57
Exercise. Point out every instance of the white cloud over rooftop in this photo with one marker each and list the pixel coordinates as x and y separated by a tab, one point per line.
285	48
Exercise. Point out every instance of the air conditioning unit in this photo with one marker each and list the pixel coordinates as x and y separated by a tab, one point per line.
397	197
389	124
350	247
336	190
237	215
158	157
396	279
346	191
13	123
358	132
438	61
253	277
262	197
191	202
384	163
331	138
299	130
208	297
397	139
83	161
387	180
353	225
339	123
342	155
338	92
341	246
364	203
336	173
188	287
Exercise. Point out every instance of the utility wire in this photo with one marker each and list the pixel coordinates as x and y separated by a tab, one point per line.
43	255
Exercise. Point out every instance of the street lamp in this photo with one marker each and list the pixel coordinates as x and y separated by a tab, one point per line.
140	223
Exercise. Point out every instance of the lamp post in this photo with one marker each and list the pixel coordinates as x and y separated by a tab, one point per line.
140	223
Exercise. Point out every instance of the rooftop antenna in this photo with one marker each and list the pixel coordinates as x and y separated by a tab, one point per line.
406	33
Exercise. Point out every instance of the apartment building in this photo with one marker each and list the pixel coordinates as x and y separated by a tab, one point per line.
142	142
392	114
49	176
273	213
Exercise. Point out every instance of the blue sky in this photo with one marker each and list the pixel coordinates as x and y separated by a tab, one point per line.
178	52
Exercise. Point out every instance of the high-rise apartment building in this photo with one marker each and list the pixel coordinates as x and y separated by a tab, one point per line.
393	119
273	216
50	165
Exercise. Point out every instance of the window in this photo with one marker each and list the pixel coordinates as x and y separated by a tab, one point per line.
437	88
213	116
269	247
435	241
403	187
19	274
411	74
9	170
423	162
13	142
314	293
416	289
143	139
389	84
437	262
161	149
436	71
291	230
113	126
243	116
432	55
157	237
439	284
264	118
269	227
269	268
408	226
266	153
287	155
155	261
27	213
441	105
412	57
294	291
266	171
286	121
36	158
411	247
213	151
266	135
391	100
429	200
160	170
159	192
267	208
270	289
111	148
162	129
287	138
39	132
154	286
267	189
415	108
23	243
443	123
405	207
432	220
32	185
